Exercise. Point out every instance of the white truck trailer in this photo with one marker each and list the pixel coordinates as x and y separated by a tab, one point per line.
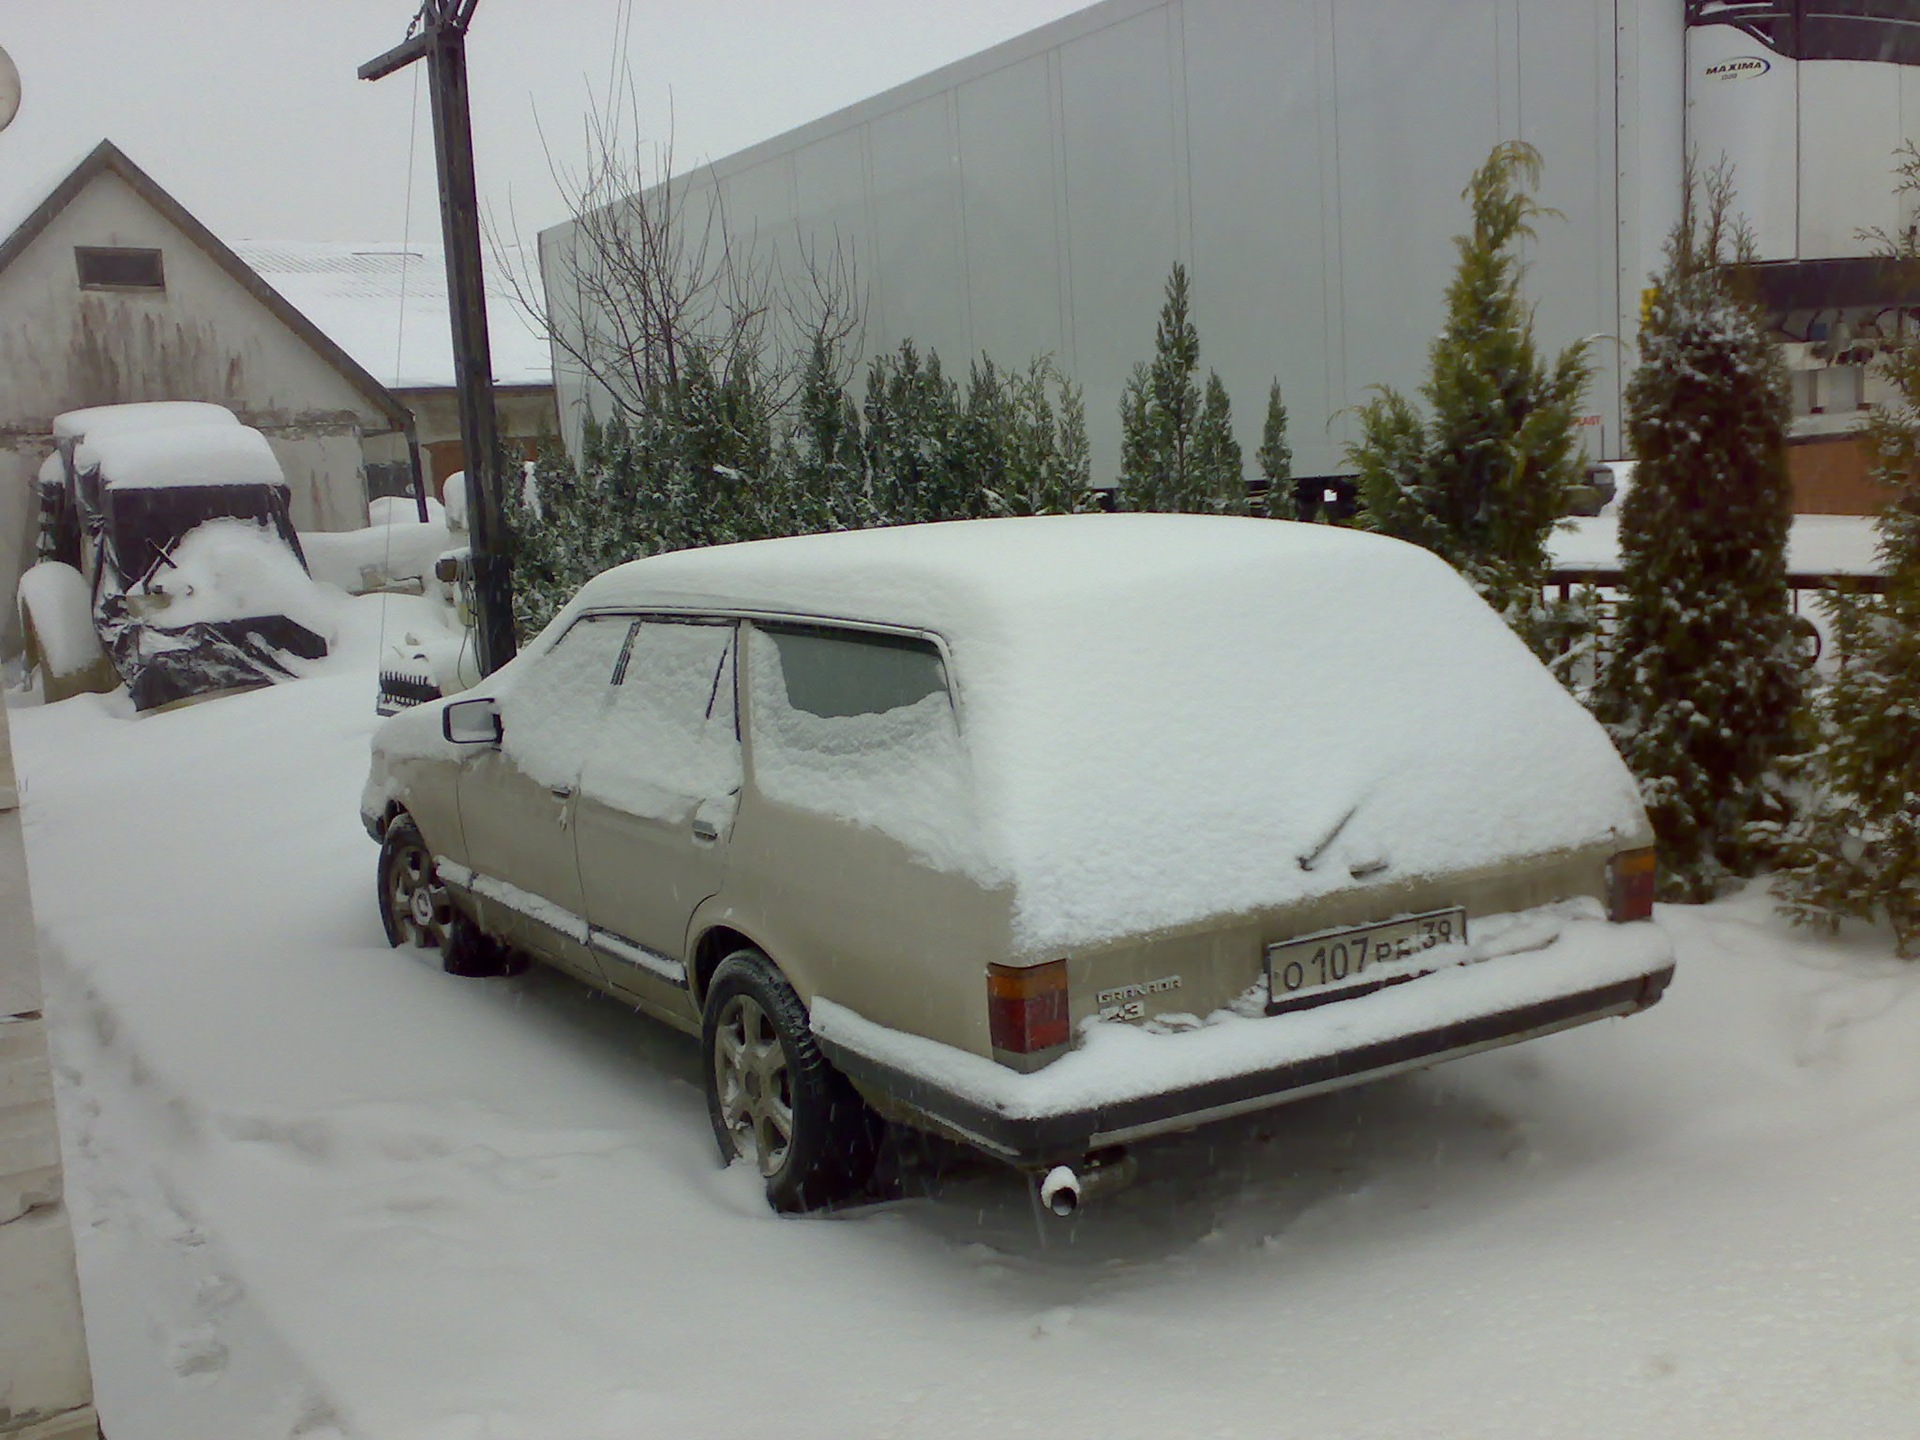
1304	159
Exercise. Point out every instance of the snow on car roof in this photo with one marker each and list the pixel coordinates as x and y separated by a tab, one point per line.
232	454
1174	718
100	420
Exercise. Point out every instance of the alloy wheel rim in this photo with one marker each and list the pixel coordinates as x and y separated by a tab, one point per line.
751	1078
421	911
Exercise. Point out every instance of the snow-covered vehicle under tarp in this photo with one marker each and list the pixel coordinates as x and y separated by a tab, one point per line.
178	517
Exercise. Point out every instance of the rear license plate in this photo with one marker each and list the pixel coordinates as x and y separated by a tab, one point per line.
1338	964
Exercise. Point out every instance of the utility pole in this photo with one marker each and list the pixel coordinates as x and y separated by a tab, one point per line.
438	35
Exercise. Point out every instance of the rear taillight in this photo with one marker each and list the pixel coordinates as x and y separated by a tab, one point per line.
1027	1007
1631	876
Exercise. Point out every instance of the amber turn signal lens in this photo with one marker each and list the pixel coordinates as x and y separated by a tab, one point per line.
1631	877
1027	1006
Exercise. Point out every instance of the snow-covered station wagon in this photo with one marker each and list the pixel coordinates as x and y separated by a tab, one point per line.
1050	835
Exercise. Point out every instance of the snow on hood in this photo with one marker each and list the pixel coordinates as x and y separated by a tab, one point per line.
234	569
232	454
1167	714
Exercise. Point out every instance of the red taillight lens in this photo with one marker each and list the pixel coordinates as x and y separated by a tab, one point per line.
1027	1006
1631	877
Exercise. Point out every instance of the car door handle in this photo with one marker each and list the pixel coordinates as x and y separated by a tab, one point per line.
706	830
560	792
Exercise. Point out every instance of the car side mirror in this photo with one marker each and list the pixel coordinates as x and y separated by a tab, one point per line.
472	722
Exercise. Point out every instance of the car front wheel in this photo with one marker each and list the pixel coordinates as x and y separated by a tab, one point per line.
417	911
774	1100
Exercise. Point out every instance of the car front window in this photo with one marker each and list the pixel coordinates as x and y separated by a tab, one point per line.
669	739
548	717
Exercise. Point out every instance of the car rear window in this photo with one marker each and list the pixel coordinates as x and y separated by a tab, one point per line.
832	673
860	727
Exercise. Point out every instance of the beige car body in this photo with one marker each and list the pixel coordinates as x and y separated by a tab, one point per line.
854	915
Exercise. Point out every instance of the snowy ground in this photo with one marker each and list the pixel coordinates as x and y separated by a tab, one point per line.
324	1191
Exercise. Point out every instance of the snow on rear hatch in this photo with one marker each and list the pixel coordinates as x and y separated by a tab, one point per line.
1166	744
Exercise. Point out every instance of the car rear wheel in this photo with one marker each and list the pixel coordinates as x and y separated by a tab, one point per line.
417	910
774	1100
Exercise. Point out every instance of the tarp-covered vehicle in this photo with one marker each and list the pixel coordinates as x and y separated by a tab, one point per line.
177	517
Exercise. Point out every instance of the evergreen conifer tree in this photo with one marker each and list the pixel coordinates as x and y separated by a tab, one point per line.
1219	470
911	414
986	448
719	490
1036	457
825	476
541	577
1275	458
1855	853
1177	450
1702	683
1075	454
1481	479
567	525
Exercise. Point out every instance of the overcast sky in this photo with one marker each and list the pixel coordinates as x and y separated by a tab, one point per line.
249	111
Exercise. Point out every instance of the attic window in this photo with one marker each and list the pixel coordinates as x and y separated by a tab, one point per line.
102	268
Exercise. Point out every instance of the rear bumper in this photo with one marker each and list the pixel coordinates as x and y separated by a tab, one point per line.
1062	1122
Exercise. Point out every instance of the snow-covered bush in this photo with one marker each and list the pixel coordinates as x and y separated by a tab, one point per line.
1025	456
1855	852
718	459
1703	681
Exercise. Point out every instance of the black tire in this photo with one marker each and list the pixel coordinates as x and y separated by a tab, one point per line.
773	1098
416	909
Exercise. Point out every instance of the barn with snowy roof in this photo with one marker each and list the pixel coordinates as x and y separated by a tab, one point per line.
112	292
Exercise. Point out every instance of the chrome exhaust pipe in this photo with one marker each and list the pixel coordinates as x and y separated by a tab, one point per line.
1063	1189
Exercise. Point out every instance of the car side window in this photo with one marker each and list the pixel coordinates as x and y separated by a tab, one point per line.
548	716
670	738
861	726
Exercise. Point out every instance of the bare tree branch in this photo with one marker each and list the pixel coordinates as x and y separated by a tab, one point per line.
652	274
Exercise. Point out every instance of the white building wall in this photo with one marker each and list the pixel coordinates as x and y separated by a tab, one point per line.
1304	157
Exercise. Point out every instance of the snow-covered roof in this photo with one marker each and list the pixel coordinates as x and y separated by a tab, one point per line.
187	455
99	421
1164	712
1816	545
385	304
